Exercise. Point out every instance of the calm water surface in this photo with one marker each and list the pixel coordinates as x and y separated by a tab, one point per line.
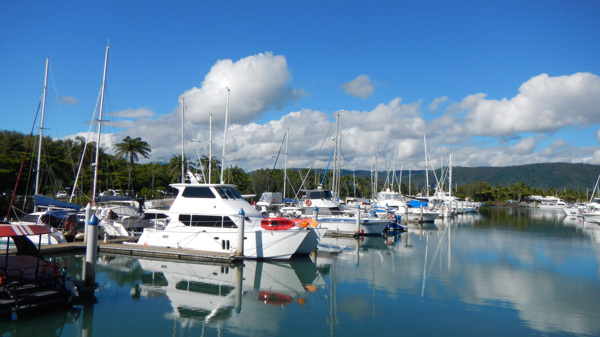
504	272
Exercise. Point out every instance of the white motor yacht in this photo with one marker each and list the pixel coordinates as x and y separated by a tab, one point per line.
207	217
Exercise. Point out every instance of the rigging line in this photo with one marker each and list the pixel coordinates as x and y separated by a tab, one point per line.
84	147
12	199
195	141
313	163
276	159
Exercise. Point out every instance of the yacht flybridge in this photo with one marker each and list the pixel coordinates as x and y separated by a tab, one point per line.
207	217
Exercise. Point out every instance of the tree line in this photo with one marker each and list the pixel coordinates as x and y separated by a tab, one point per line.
61	160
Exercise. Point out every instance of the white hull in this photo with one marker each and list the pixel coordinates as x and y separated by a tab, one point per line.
426	216
258	244
311	240
344	225
591	217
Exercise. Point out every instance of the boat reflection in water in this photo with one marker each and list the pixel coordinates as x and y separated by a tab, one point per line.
211	293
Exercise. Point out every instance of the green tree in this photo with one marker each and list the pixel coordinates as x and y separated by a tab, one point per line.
130	148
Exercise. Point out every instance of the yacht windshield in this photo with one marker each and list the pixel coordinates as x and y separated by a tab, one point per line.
228	192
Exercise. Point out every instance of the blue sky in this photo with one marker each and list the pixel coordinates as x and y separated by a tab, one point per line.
514	82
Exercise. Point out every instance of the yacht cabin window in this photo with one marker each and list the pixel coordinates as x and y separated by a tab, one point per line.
207	221
320	194
198	192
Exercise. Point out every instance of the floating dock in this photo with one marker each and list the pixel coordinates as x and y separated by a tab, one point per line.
119	246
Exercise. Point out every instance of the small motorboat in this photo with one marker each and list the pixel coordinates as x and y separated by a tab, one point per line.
28	282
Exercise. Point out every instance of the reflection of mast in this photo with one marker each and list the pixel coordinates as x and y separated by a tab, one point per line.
425	266
333	299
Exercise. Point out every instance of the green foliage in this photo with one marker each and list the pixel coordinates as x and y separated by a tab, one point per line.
60	159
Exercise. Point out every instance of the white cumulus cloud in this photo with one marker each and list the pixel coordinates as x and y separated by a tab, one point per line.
257	84
435	105
544	104
134	113
360	87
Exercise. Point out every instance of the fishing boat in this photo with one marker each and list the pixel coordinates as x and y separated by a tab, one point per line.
208	217
28	282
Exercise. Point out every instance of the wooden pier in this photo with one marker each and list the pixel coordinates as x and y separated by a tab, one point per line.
121	247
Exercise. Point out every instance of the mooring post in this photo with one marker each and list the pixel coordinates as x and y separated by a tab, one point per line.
240	244
357	219
88	213
91	252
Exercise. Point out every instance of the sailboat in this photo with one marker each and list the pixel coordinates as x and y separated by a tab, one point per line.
39	217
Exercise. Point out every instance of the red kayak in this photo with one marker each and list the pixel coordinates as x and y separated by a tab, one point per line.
276	224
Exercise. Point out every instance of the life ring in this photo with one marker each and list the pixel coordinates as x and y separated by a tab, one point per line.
308	203
391	216
68	225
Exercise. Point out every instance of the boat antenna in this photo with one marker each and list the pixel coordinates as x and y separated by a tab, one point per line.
225	135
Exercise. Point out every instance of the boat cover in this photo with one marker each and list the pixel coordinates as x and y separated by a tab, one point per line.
42	200
417	204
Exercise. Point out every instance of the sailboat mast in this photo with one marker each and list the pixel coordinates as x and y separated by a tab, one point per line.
98	136
225	135
210	149
39	158
426	167
287	134
450	177
182	141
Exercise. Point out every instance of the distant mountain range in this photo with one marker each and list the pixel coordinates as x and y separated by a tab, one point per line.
556	175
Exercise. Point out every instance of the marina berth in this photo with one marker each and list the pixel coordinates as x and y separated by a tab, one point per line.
410	210
211	218
338	218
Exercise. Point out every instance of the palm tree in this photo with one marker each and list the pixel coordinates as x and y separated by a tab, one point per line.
215	167
174	167
131	148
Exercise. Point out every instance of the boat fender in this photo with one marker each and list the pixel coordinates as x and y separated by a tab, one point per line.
308	203
2	277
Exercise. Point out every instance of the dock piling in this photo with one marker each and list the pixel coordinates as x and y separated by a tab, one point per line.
240	243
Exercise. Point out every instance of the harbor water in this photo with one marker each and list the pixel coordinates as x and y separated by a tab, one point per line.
503	272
